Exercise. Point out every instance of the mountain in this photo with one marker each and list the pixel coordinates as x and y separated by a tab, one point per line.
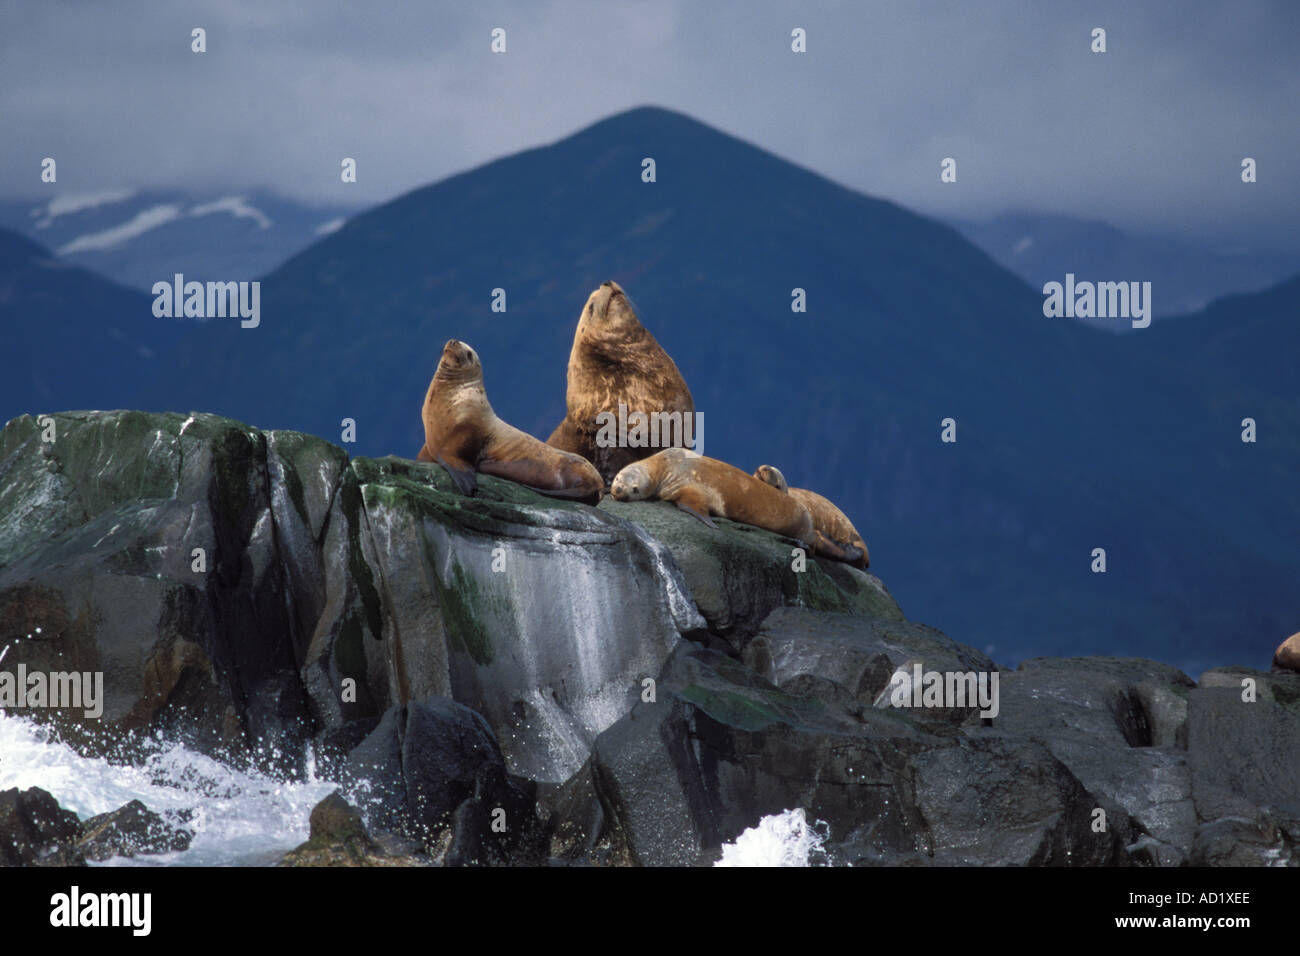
1186	274
140	237
70	338
1069	439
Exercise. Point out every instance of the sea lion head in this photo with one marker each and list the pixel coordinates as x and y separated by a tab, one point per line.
631	484
459	363
771	475
609	314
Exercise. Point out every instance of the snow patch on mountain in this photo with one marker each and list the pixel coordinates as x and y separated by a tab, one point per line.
70	203
237	206
142	222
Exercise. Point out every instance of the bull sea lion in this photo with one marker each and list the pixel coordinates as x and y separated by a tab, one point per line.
464	435
835	537
706	486
616	361
1288	654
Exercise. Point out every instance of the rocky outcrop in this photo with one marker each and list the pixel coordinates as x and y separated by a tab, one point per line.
36	831
244	590
338	837
738	574
1090	761
541	615
722	747
508	678
130	830
432	772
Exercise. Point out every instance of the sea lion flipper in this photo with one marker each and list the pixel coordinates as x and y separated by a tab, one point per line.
521	458
695	505
833	549
462	474
424	453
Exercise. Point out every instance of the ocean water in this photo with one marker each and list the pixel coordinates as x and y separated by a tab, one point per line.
237	817
782	839
244	818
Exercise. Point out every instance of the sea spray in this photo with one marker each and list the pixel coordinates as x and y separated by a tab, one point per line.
237	817
782	839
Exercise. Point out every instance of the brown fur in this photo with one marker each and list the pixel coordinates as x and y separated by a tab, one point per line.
615	359
464	435
1288	654
706	486
835	535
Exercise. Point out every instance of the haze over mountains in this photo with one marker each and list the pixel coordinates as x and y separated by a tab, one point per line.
1069	439
1186	274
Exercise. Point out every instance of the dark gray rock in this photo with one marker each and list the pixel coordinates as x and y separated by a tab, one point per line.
1247	841
858	654
576	822
432	772
339	838
1125	702
1243	754
720	748
544	616
332	591
738	573
129	830
995	801
97	536
36	831
1120	727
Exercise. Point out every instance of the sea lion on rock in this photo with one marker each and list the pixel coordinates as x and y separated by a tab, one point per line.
835	537
464	435
706	486
1288	654
616	361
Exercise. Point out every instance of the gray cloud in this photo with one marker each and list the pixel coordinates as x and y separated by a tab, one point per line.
1148	136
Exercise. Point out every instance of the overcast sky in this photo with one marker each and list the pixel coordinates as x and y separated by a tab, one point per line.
1149	135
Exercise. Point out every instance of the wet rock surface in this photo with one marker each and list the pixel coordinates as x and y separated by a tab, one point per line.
512	679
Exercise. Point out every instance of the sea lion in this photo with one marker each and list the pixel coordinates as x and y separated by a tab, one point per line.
616	361
835	537
464	435
706	486
1288	654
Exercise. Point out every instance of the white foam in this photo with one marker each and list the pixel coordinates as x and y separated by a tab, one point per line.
237	817
783	839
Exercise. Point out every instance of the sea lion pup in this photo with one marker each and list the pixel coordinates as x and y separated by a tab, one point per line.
616	361
835	537
706	486
464	435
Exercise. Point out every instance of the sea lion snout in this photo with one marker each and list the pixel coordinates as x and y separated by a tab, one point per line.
631	484
456	354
